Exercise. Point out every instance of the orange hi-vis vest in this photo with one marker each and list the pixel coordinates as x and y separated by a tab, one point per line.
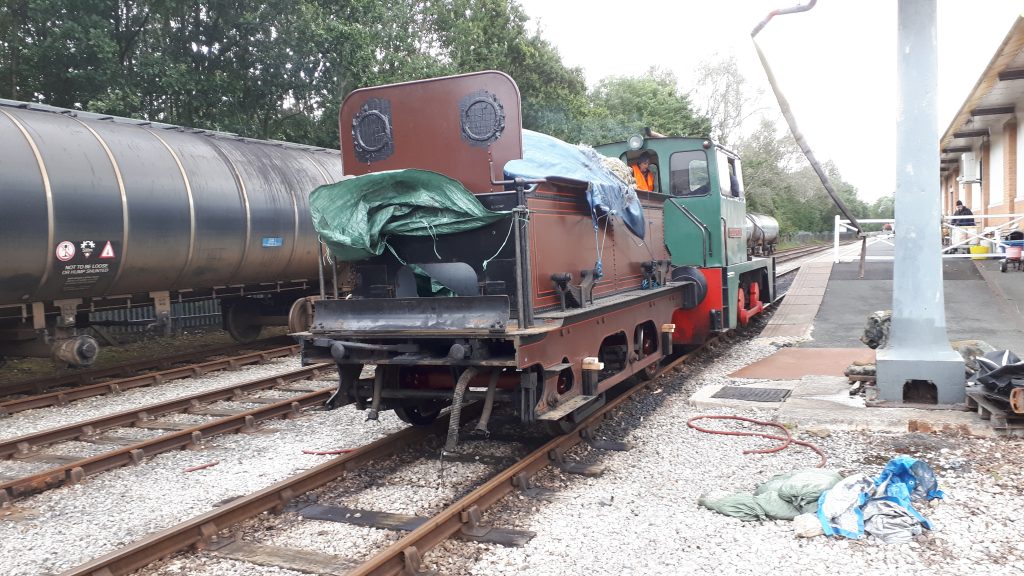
643	182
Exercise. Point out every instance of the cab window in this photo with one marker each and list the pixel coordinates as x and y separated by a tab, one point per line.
688	173
632	160
730	176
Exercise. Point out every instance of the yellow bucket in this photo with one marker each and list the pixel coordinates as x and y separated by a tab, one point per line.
979	250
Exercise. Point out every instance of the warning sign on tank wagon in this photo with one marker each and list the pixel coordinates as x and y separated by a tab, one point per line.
65	251
79	268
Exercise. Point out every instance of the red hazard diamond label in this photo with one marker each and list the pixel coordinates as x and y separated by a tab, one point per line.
108	251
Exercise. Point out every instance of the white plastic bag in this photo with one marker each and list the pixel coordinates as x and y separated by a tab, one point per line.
839	508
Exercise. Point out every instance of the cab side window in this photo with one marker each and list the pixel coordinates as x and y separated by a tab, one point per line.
729	175
688	173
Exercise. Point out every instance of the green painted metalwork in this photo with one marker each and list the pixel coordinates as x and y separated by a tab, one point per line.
705	211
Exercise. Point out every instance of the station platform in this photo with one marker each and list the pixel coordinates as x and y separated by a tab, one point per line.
822	319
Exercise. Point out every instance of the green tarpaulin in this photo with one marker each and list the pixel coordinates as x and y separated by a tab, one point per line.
783	497
356	216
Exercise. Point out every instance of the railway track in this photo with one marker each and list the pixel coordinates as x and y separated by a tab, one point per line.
208	531
63	397
80	377
791	254
66	468
212	531
794	253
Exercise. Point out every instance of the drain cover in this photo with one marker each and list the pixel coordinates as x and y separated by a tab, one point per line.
752	394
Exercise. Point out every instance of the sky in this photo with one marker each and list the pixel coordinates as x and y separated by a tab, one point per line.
836	63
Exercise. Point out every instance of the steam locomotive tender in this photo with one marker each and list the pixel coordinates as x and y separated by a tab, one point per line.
566	289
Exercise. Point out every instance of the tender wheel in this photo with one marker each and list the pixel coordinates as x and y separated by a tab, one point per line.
240	321
420	413
648	346
648	372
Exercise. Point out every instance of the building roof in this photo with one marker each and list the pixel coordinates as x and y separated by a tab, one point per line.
992	101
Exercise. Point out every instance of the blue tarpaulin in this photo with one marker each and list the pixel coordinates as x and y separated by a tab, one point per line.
545	156
882	506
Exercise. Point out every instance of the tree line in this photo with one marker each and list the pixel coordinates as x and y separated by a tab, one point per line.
276	69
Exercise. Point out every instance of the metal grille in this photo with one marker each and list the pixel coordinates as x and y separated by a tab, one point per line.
752	394
483	118
371	131
138	319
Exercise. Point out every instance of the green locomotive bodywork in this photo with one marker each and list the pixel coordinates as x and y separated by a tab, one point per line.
703	184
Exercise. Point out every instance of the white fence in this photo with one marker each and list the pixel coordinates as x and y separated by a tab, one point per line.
956	240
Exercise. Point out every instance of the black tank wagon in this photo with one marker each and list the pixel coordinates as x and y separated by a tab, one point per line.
100	212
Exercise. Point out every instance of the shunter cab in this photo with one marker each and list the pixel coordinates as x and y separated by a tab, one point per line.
705	214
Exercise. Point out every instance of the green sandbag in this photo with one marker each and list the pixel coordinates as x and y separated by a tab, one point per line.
775	507
801	488
354	217
742	506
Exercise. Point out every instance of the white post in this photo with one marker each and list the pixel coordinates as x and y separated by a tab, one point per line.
835	244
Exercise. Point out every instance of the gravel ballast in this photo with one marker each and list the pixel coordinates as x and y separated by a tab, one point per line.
30	421
639	517
65	527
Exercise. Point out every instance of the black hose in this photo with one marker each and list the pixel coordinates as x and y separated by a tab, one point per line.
453	423
485	417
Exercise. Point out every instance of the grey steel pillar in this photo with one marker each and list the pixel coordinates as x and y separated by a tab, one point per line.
918	347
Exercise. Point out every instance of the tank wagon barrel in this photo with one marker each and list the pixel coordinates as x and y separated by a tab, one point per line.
103	212
762	234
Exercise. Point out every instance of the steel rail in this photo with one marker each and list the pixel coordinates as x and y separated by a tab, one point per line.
794	253
203	530
21	445
406	551
79	377
75	472
114	386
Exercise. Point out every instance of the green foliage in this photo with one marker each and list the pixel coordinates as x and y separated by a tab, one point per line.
884	207
780	182
623	106
475	35
721	95
280	68
270	68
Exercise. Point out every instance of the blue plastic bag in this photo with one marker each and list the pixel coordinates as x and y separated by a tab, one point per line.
902	481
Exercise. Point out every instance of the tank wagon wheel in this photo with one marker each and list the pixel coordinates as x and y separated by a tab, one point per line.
241	321
422	413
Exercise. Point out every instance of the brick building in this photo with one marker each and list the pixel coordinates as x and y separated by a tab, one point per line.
982	150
